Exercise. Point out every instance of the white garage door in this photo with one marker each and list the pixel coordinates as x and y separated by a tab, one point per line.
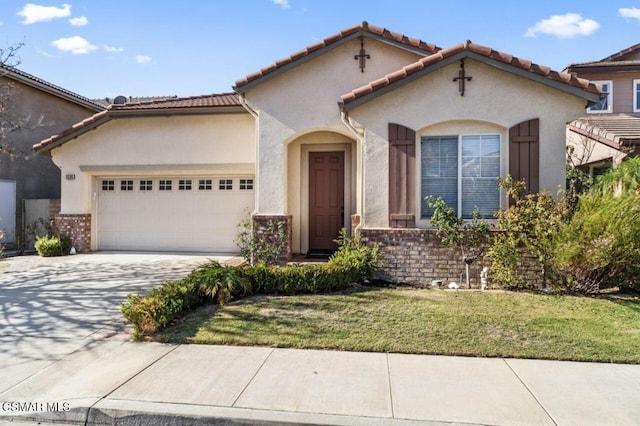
172	214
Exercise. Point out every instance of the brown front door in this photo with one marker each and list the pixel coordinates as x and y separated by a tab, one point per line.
326	199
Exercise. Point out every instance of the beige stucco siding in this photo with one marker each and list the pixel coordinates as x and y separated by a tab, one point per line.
303	100
171	145
493	98
622	96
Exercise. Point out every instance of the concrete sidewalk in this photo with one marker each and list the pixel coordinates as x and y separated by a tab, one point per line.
117	382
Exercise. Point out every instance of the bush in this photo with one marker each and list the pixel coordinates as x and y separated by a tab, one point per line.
219	282
49	246
355	258
352	263
530	225
261	246
600	247
163	304
297	279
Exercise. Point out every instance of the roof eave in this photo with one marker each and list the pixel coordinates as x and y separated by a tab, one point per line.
588	96
52	91
66	138
599	68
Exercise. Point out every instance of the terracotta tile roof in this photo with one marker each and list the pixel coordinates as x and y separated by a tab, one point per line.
363	28
131	99
482	51
38	83
205	101
189	105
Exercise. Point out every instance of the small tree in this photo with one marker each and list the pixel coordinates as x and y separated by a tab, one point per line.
470	237
9	59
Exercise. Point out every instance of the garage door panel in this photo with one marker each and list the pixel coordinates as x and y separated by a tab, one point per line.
176	220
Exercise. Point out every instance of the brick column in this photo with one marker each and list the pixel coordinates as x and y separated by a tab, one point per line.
75	226
260	226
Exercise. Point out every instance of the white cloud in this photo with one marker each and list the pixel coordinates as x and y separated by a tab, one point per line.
33	13
142	59
564	26
113	49
80	21
629	12
282	3
75	45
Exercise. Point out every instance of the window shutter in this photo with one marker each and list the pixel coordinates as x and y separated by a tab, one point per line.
402	172
524	159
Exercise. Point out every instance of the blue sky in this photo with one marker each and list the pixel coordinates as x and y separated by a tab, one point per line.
102	48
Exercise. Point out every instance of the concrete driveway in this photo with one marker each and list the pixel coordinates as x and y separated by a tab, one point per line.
52	307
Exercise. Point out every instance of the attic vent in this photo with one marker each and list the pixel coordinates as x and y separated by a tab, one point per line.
120	100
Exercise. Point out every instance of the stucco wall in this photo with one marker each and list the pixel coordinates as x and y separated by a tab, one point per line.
622	89
303	100
135	146
42	115
587	150
494	99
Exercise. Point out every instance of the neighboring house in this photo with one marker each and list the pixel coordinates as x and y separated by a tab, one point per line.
610	129
34	109
355	131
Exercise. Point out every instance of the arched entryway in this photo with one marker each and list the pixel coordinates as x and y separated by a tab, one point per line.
322	182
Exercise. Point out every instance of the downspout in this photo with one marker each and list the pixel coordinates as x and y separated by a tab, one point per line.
254	114
358	132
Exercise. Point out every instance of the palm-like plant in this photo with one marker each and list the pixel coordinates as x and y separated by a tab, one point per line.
623	178
219	282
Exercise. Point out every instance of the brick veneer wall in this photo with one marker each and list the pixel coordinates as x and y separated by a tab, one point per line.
416	256
75	226
54	207
260	224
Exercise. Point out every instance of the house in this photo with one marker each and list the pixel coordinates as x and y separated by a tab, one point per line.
353	131
610	129
32	109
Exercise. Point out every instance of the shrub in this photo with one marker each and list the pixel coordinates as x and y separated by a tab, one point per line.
529	225
261	246
600	247
353	262
355	258
297	279
49	246
219	282
163	304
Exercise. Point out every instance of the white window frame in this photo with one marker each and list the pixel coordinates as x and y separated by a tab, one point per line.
609	98
636	98
425	219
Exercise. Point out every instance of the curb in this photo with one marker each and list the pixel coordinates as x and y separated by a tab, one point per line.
141	413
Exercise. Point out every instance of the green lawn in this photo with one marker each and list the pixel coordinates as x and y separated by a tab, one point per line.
491	324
